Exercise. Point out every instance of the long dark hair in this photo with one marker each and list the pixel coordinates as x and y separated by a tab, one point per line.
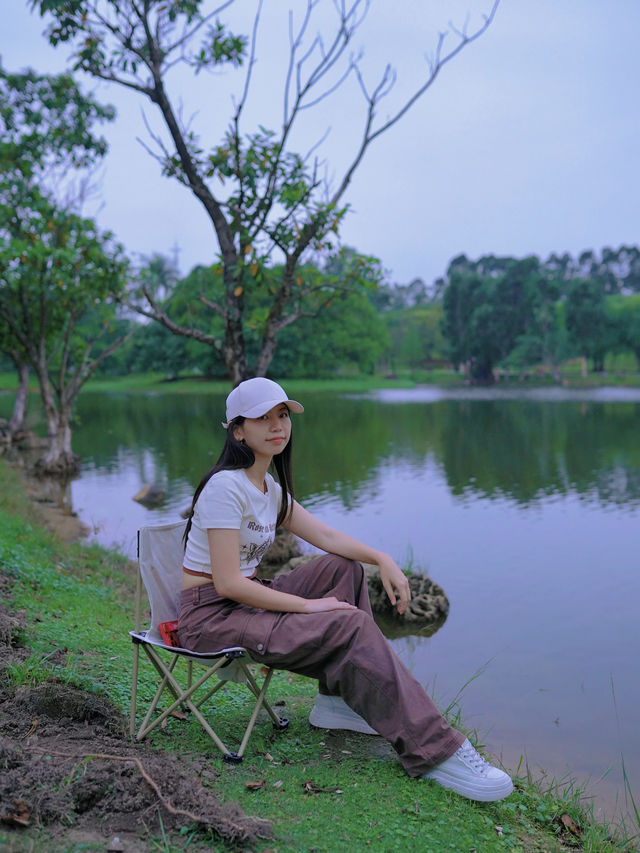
235	455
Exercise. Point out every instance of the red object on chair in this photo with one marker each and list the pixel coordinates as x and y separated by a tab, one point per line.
169	633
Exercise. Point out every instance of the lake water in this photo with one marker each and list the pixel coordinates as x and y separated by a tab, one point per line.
524	506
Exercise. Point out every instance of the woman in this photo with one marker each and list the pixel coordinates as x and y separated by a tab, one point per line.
317	619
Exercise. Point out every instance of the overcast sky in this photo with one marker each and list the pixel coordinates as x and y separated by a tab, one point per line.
528	141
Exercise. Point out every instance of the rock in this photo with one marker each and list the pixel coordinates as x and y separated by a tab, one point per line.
427	610
150	495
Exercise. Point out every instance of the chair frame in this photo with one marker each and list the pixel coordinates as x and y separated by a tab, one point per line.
164	659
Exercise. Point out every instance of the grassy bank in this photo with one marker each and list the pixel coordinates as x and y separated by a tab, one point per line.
322	791
619	372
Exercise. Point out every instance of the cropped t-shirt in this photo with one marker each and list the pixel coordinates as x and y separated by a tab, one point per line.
230	501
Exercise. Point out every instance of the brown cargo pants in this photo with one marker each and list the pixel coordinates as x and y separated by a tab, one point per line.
345	650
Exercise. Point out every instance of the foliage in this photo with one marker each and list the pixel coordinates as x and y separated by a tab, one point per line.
500	311
58	273
416	338
46	122
338	326
270	205
587	321
485	316
413	295
348	336
624	315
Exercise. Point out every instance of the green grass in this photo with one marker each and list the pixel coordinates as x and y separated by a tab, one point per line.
620	370
323	791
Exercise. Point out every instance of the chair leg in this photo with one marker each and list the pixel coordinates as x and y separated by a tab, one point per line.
256	710
183	697
257	692
134	690
186	698
210	693
161	688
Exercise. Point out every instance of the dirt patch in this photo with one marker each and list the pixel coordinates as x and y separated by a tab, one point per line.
50	496
51	499
63	766
67	527
66	765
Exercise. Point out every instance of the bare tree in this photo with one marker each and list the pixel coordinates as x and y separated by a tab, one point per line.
263	199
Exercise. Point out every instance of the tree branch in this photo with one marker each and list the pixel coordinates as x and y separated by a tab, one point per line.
161	317
381	90
187	35
212	305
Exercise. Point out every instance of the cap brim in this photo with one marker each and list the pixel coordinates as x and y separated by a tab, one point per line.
263	408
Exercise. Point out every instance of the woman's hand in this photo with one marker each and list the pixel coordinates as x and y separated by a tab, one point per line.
394	581
322	605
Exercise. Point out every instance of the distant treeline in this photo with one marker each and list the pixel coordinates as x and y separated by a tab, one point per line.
513	313
491	313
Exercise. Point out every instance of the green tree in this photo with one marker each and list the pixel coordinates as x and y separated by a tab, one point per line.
347	336
55	266
44	131
263	198
153	348
589	325
624	312
416	338
545	338
486	310
337	325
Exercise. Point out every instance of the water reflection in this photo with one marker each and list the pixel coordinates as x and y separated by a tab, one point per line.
487	444
516	449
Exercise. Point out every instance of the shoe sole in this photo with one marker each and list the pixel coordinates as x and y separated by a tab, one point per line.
480	793
324	720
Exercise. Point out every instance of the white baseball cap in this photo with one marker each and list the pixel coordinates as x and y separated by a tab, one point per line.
254	397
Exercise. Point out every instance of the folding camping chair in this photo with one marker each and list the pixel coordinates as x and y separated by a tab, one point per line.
160	556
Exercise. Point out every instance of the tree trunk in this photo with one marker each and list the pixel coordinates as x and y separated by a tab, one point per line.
266	355
584	369
235	361
16	424
59	460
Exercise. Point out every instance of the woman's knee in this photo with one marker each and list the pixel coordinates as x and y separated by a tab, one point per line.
344	567
346	627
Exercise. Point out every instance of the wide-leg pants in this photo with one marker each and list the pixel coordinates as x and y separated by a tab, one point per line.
344	649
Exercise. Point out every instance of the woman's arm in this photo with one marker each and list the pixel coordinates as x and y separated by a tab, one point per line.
316	532
229	582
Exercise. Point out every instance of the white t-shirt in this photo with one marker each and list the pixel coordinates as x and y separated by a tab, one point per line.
230	501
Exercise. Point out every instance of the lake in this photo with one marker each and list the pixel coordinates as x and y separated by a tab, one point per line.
523	505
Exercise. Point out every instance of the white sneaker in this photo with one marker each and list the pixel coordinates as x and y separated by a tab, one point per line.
332	712
467	773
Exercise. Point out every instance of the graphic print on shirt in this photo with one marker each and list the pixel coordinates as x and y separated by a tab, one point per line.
253	552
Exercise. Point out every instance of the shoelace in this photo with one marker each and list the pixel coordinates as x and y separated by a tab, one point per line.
473	759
